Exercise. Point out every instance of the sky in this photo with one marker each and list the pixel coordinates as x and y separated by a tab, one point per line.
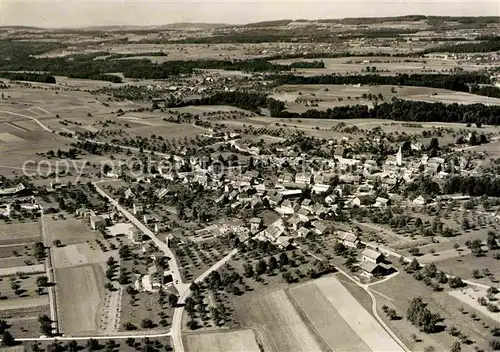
80	13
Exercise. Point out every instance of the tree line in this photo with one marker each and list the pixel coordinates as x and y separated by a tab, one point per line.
399	110
457	82
86	67
491	44
31	77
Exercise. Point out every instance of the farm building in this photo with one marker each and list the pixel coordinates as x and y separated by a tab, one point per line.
372	256
348	239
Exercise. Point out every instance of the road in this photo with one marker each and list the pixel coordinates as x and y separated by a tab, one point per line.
137	335
178	312
29	117
172	263
49	268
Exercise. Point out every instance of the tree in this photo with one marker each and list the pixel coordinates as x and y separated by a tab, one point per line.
419	315
42	281
45	325
192	324
147	323
272	264
456	347
73	346
57	243
93	345
491	240
15	287
260	267
441	277
129	326
455	282
283	259
8	339
430	270
414	265
172	300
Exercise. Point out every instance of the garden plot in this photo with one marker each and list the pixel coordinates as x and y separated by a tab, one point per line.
234	341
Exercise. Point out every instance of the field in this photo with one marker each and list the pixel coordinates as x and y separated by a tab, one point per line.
19	233
323	316
239	340
354	65
69	231
290	334
330	96
80	293
397	292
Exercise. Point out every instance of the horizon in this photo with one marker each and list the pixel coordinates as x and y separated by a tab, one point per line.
77	14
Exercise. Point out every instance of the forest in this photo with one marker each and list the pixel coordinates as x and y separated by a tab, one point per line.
400	110
85	66
475	186
492	44
31	77
457	82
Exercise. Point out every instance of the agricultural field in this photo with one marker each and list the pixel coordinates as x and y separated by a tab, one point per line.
19	233
237	340
323	315
291	334
329	96
385	65
80	292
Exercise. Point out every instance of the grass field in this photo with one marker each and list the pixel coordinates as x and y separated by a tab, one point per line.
397	293
80	295
278	325
19	233
69	231
240	340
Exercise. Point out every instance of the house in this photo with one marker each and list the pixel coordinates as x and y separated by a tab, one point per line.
381	202
369	269
286	208
295	222
285	178
255	224
129	194
320	188
304	178
97	222
135	235
275	200
137	209
321	227
155	276
161	193
372	256
348	239
420	201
